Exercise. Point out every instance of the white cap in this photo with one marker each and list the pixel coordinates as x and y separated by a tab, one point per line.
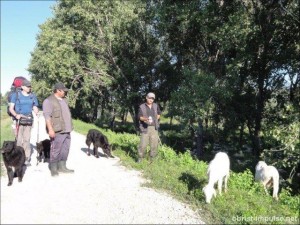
150	95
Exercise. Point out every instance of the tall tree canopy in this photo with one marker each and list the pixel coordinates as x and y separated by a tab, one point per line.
231	64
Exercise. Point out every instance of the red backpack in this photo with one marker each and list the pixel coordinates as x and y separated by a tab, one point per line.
18	82
15	88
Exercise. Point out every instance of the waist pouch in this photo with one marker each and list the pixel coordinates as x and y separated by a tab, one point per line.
26	120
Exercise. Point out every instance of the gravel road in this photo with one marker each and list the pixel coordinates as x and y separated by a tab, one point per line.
101	191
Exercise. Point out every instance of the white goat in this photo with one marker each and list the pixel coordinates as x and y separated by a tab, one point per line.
218	169
268	176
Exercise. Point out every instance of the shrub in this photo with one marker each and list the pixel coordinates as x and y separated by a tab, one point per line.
242	180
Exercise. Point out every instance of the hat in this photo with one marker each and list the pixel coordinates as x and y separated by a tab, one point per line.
26	83
150	95
60	86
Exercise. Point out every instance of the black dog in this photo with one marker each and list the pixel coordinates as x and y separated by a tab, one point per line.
14	158
99	140
43	150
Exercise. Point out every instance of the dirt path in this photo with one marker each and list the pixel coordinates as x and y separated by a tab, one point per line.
100	191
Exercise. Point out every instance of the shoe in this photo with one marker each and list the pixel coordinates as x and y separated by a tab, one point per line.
27	163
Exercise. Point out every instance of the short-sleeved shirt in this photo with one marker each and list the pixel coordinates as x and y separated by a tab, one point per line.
24	104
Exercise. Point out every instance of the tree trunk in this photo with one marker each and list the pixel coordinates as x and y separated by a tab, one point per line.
200	147
241	135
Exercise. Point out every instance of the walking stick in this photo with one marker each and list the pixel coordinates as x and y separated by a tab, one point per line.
38	127
17	130
37	138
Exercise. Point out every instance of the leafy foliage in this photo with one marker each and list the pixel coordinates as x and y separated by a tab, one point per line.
229	69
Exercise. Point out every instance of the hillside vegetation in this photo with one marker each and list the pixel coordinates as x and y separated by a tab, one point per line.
184	177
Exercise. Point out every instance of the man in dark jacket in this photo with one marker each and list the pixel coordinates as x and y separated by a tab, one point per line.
148	115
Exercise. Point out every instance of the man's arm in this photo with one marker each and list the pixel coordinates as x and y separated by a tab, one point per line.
141	117
50	128
47	110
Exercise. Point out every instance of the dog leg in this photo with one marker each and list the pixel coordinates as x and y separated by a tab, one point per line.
88	151
220	181
96	152
225	183
47	156
19	172
265	187
10	174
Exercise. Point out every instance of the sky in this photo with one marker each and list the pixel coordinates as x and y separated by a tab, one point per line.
20	22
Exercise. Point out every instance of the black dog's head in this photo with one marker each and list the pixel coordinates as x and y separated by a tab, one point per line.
39	147
107	149
8	146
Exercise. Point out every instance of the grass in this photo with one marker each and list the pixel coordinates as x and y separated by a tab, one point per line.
6	130
182	177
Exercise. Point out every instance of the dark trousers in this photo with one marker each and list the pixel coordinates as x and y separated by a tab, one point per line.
60	147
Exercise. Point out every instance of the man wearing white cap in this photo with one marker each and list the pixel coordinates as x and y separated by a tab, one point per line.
149	114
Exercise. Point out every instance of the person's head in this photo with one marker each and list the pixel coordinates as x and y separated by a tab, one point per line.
26	86
150	97
60	90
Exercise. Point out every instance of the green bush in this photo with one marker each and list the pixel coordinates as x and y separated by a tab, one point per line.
241	180
293	202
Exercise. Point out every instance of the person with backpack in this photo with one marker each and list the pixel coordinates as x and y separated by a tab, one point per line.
21	105
148	115
15	87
